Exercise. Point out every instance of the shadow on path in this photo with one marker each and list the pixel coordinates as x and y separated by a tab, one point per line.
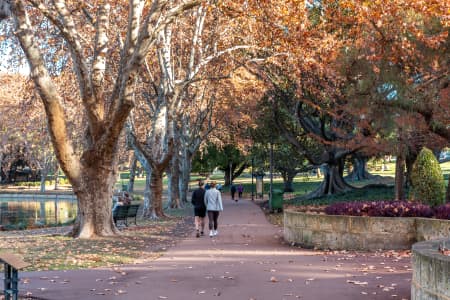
247	260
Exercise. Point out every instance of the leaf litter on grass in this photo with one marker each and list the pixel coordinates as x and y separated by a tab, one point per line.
57	252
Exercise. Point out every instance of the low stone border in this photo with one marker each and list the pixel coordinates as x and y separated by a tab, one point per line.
360	233
431	271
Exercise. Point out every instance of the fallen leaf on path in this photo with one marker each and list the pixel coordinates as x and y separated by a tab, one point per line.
273	279
357	282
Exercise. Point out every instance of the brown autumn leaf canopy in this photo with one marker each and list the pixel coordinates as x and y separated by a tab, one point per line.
342	57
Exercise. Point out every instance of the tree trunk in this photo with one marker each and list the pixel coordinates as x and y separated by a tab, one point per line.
173	175
359	171
156	186
288	180
147	209
227	177
234	173
409	162
333	182
94	195
154	207
133	166
186	167
400	178
43	177
56	178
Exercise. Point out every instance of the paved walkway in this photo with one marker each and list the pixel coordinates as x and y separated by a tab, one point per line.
247	260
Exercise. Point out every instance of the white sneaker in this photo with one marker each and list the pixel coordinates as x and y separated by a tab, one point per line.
215	232
211	233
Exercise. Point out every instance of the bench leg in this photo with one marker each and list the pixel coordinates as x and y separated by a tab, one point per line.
11	282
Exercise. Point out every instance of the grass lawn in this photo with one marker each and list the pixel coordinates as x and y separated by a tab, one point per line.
150	238
143	242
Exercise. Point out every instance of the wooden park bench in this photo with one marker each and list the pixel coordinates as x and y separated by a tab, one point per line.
124	212
12	264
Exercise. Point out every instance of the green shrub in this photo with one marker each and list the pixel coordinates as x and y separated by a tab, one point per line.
427	181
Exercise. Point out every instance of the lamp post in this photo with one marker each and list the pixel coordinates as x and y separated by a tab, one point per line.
253	194
271	176
231	173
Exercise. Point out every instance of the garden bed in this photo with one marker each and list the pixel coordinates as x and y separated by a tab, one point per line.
360	233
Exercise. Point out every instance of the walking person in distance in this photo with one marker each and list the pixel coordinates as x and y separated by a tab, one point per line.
233	191
198	201
240	190
213	202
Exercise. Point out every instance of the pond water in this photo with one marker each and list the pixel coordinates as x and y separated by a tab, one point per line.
25	210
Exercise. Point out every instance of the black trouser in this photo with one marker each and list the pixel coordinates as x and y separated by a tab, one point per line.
213	215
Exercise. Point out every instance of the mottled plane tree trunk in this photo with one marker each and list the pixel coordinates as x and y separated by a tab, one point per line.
105	76
173	176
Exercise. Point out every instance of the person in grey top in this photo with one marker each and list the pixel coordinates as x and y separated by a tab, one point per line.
213	202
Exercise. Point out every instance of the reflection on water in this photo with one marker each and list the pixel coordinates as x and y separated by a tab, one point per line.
30	210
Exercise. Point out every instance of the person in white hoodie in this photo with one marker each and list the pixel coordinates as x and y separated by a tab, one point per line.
213	202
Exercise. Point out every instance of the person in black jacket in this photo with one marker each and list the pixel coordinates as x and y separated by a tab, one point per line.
233	191
198	201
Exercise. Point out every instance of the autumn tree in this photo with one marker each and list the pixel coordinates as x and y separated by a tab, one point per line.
104	57
399	67
189	54
370	52
287	160
10	129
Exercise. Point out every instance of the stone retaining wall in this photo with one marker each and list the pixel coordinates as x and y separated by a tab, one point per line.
431	271
360	233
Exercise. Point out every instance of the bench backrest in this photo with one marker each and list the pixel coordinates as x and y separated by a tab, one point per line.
120	212
132	210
